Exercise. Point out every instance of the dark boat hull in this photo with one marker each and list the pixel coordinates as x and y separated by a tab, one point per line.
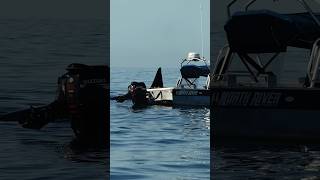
254	113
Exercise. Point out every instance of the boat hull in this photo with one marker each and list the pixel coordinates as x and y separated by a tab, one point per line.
191	97
180	97
265	123
256	113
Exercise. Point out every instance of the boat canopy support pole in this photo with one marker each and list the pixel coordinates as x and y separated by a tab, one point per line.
245	62
270	61
223	61
249	4
229	7
307	7
246	58
191	83
259	67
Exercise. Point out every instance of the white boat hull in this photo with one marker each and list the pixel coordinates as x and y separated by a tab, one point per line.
182	97
191	97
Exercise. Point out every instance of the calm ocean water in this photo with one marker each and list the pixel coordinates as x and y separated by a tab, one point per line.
156	142
268	160
33	54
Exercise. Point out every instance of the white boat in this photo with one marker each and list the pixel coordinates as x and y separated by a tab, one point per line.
192	88
253	102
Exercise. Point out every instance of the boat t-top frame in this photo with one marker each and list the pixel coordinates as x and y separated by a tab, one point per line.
190	72
254	65
251	2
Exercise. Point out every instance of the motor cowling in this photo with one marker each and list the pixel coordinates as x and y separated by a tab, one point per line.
79	77
84	89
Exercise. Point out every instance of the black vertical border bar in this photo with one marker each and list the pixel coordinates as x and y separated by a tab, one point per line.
108	92
211	71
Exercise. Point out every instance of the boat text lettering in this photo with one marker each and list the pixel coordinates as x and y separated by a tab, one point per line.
253	99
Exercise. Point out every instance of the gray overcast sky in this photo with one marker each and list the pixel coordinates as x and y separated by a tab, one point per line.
73	9
152	33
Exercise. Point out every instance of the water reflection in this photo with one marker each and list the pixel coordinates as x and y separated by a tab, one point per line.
265	160
196	115
81	153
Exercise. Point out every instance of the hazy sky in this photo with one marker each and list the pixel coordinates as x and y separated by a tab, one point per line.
73	9
152	33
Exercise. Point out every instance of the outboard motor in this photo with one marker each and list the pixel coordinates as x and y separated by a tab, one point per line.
138	93
83	97
85	91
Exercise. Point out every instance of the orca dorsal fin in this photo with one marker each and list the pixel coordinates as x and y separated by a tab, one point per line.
157	82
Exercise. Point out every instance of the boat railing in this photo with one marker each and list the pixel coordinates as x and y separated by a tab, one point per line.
222	60
313	66
208	81
304	4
